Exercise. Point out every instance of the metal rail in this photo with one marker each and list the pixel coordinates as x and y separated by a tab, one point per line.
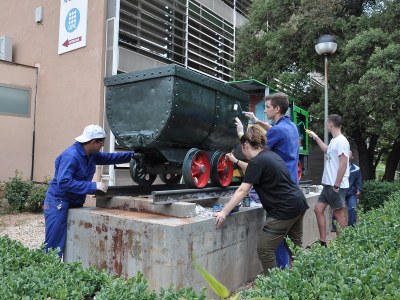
164	194
134	190
191	195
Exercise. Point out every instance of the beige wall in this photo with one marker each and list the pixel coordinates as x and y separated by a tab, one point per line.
70	86
16	133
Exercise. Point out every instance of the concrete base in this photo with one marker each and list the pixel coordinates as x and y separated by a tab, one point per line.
310	226
178	209
161	247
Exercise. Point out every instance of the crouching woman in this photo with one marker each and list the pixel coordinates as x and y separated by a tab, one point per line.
281	198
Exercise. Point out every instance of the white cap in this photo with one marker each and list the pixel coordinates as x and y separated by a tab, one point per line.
91	132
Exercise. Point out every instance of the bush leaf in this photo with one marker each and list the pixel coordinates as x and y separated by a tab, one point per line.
215	285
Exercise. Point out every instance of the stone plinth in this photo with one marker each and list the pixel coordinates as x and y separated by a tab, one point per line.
161	247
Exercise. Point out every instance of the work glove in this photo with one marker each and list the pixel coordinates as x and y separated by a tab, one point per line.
251	116
100	186
239	127
312	134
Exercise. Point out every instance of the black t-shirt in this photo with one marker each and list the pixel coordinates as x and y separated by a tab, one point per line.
280	197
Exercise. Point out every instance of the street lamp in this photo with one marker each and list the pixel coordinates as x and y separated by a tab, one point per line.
326	45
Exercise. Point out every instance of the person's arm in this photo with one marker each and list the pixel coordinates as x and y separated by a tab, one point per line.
238	196
358	183
104	158
264	125
320	143
238	162
342	169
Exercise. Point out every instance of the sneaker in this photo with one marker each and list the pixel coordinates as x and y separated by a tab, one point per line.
323	244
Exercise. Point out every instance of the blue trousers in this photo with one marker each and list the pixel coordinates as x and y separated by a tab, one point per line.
55	214
351	201
282	256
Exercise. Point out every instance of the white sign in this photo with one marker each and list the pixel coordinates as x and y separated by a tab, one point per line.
73	24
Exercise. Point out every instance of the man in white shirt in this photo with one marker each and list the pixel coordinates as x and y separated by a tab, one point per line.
335	178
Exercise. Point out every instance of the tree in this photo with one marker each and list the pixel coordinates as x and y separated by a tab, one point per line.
369	73
278	42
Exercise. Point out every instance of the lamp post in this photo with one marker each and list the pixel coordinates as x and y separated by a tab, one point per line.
326	45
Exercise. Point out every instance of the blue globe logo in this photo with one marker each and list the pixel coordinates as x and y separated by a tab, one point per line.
72	20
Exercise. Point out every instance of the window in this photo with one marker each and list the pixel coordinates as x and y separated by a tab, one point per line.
15	101
201	40
154	28
242	6
211	42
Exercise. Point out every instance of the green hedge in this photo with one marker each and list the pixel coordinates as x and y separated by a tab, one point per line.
362	263
375	193
33	274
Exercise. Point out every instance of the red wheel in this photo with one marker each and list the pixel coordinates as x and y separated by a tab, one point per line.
221	169
196	168
299	170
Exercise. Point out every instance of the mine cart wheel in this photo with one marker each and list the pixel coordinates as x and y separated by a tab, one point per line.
221	169
196	168
138	175
170	179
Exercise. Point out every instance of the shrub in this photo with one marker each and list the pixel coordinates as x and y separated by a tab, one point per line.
375	193
362	263
34	274
36	197
17	192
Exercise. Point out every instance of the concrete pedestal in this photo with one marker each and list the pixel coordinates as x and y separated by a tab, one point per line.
161	247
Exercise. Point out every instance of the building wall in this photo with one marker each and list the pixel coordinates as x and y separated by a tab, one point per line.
70	86
16	133
70	92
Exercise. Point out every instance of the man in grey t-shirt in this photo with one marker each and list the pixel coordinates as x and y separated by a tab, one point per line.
335	178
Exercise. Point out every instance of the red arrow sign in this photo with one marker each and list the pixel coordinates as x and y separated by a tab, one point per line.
72	41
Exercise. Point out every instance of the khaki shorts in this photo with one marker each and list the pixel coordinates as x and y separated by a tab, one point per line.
335	200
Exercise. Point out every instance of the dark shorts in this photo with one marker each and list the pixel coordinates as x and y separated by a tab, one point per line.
335	200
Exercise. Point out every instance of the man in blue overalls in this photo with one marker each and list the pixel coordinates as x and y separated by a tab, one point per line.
283	139
74	171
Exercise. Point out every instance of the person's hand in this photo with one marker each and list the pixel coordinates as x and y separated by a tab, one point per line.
251	116
220	218
239	127
312	134
100	186
231	157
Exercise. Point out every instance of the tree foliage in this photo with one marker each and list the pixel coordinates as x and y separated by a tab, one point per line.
278	42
